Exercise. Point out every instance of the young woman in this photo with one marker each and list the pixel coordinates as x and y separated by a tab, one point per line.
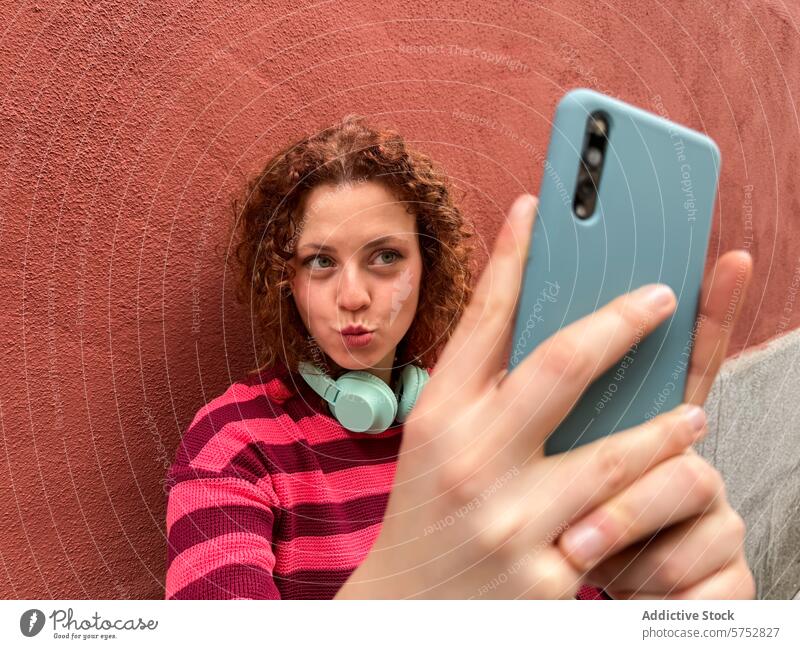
355	258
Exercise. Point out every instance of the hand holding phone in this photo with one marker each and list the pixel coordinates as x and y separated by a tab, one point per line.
475	496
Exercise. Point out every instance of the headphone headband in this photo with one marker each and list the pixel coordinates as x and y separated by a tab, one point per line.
320	382
361	401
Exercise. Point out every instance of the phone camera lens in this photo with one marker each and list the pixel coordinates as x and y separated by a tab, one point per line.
594	156
585	189
599	125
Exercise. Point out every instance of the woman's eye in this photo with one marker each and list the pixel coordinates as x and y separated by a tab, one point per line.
389	252
308	261
393	256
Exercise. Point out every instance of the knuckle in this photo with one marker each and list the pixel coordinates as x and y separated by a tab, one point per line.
457	480
560	357
670	573
420	420
676	429
665	431
610	466
717	484
494	315
426	421
485	543
488	313
472	317
737	528
494	532
548	580
706	484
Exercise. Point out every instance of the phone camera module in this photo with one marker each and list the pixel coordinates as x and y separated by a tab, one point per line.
592	161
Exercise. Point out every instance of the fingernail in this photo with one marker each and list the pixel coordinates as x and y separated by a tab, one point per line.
696	417
584	544
658	296
526	213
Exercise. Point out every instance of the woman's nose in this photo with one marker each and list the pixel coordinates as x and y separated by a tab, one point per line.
353	291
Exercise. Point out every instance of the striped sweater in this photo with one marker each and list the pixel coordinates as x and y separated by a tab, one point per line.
269	497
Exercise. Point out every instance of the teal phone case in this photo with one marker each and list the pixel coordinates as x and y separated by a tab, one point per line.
651	224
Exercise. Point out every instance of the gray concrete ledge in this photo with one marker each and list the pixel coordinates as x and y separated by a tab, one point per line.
754	440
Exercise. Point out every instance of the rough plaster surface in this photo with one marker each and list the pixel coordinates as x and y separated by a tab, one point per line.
754	440
125	128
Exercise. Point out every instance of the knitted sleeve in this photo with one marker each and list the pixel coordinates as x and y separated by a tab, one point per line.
219	537
587	591
221	508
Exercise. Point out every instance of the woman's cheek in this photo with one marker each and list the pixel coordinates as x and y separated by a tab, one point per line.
306	304
404	311
315	304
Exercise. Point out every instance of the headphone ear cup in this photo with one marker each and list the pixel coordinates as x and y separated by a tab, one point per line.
365	403
413	380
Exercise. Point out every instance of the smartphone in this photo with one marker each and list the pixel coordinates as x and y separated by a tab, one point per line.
626	199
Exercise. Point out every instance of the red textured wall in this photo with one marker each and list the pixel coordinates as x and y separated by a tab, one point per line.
124	131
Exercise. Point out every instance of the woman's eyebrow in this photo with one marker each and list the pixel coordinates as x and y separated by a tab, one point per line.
370	244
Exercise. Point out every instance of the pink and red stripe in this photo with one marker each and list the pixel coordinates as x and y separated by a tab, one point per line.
272	499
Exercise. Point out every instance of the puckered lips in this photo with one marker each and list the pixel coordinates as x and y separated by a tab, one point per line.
356	336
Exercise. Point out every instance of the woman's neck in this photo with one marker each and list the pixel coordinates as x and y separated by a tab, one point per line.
387	371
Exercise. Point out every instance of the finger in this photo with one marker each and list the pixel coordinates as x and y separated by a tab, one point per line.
675	558
567	486
498	379
720	305
676	489
473	353
733	581
560	369
548	576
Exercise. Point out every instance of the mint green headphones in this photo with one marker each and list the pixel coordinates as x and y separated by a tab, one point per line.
362	402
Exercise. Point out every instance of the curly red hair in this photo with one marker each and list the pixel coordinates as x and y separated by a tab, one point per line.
267	221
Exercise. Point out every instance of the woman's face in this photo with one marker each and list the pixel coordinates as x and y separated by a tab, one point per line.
357	263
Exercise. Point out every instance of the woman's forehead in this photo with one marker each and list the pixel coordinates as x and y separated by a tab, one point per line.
348	214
